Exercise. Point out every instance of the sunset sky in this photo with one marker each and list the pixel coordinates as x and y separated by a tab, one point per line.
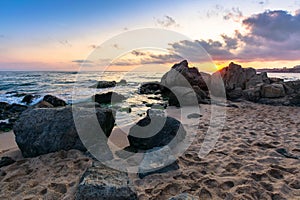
61	34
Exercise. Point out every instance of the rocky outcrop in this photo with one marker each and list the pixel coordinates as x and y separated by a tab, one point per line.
101	182
9	113
104	84
55	101
108	98
40	131
156	130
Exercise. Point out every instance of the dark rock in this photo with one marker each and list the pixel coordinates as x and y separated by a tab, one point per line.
252	94
43	104
41	131
108	98
184	196
101	182
5	127
16	108
104	84
294	100
274	90
27	99
157	160
19	95
234	94
257	79
155	131
4	106
56	102
150	88
122	82
5	161
276	80
286	154
234	76
184	76
194	115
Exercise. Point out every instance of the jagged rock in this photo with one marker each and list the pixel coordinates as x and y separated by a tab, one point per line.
5	161
252	94
156	130
257	79
184	196
56	102
104	84
40	131
182	96
108	98
27	99
234	76
234	94
157	160
150	88
101	182
274	90
184	76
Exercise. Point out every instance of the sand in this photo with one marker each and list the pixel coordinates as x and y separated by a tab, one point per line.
244	163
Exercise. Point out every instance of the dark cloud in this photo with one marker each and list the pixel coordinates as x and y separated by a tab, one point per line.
234	14
138	53
167	22
82	61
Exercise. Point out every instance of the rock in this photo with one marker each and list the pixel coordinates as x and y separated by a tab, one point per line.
108	98
295	85
155	131
6	126
104	84
150	88
157	160
294	100
43	104
286	154
122	82
56	102
184	76
40	131
5	161
276	80
257	79
252	94
183	96
101	182
194	115
234	76
234	94
274	90
184	196
27	99
16	108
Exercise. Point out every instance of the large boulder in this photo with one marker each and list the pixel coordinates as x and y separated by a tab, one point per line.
155	131
55	101
108	98
101	182
184	76
234	76
40	130
184	96
274	90
104	84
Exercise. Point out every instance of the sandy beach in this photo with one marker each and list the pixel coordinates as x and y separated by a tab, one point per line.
243	165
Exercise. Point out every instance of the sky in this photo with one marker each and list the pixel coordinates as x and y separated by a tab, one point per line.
60	35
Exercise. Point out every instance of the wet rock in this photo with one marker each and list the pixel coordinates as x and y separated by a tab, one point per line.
5	161
122	82
41	131
27	99
56	102
101	182
156	130
104	84
108	98
157	160
150	88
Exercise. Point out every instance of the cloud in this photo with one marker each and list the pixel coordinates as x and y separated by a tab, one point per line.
167	22
82	61
234	14
65	43
93	46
